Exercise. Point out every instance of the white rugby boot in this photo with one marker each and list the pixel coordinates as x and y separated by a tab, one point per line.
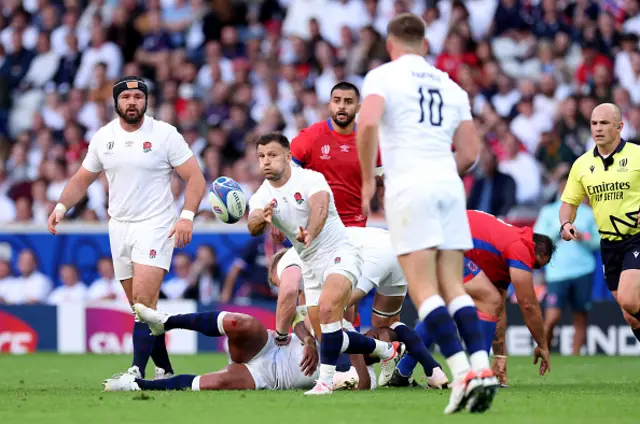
319	389
463	391
346	380
124	383
438	379
161	374
154	318
490	385
388	366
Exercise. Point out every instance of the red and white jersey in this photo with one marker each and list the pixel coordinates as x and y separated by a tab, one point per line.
335	156
138	166
423	109
292	212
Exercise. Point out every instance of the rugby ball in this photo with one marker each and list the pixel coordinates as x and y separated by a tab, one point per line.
227	200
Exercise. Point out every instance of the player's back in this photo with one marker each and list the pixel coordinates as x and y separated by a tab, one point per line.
423	109
497	246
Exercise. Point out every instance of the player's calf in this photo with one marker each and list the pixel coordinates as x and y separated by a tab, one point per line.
416	348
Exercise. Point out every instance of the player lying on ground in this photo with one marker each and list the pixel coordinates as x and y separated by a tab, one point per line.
300	203
502	254
380	270
257	362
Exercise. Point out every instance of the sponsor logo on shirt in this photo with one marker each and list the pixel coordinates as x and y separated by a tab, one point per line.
128	143
344	148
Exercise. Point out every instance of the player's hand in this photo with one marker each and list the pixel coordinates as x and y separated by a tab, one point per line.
277	235
569	232
310	360
303	236
545	364
183	230
282	339
499	368
55	217
368	190
267	211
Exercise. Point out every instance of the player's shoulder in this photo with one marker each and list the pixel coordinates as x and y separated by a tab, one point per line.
161	128
312	131
105	132
304	174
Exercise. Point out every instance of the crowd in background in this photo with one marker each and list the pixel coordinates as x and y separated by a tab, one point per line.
224	71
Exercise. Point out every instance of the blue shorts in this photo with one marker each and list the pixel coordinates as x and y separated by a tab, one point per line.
469	270
575	292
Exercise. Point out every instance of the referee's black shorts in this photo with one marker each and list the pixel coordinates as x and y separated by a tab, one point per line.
618	256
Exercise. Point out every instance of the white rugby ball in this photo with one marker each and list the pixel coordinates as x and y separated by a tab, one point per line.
227	200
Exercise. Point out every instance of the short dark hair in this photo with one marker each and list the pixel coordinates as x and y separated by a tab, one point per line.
346	86
544	245
273	137
275	259
407	28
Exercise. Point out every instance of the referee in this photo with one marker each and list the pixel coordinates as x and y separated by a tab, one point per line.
610	176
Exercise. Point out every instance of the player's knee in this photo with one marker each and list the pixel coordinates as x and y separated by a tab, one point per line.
633	323
326	310
240	323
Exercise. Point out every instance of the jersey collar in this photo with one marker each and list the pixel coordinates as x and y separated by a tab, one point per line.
608	161
330	123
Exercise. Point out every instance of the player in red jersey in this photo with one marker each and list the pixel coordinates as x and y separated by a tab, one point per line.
329	147
501	254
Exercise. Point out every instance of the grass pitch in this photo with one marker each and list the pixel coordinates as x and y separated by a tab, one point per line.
50	388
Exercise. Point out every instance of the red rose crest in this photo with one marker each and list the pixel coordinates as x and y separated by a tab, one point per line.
298	198
146	146
337	260
152	254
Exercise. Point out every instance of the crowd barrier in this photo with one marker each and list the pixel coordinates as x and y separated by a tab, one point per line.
82	245
106	327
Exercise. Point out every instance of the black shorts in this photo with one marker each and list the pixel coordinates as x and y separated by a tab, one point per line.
618	256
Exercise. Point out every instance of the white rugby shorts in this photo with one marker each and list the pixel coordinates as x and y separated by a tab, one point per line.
278	367
344	260
423	214
146	242
381	270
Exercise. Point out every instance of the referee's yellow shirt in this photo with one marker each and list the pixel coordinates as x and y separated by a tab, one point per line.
613	187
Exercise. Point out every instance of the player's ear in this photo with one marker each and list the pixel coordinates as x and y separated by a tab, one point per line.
358	107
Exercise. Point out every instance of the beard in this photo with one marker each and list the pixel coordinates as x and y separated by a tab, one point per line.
343	123
131	119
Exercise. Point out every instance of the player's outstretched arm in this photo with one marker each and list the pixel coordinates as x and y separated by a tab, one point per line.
287	297
367	142
310	357
75	190
523	284
467	145
318	212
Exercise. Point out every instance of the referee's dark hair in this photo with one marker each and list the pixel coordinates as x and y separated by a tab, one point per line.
544	245
273	137
346	86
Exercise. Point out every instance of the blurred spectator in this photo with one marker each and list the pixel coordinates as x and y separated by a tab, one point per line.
205	280
524	170
175	287
72	290
6	281
32	286
247	276
492	192
569	276
106	287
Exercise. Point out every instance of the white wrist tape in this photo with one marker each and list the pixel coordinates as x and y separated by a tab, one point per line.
499	356
60	207
301	314
187	215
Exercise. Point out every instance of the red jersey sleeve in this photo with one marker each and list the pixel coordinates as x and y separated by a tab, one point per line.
519	255
301	148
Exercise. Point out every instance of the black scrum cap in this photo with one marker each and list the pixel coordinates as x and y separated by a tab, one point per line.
130	82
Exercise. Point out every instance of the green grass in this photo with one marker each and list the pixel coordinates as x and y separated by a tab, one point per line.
49	388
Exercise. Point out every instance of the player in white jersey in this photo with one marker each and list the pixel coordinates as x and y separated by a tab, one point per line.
381	271
138	155
420	113
300	203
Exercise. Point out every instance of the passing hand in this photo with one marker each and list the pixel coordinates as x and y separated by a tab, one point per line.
303	236
499	368
183	230
277	235
267	211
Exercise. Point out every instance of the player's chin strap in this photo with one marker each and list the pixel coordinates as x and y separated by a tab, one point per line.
386	314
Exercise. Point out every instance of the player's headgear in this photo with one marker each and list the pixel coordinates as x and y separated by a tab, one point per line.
130	82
